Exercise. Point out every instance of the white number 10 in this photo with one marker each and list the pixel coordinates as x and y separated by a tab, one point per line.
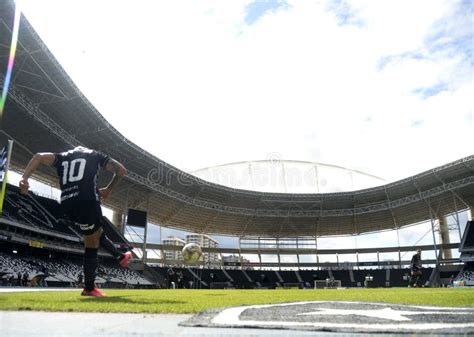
68	172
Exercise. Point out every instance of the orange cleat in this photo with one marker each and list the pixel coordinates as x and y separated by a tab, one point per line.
125	259
94	293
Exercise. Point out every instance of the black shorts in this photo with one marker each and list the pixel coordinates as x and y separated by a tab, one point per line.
416	272
87	214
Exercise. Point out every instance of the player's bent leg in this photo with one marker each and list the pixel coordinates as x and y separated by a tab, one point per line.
91	243
109	246
123	258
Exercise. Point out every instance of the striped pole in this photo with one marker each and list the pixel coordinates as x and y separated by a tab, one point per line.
5	175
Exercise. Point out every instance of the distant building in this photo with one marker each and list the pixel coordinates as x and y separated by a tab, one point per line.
205	241
174	254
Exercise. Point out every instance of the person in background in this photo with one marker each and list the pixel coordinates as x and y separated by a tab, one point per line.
416	273
179	277
171	276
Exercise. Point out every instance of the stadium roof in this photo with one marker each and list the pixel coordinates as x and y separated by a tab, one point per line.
277	175
45	111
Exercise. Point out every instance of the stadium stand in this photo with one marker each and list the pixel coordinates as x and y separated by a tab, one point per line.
45	214
466	276
38	219
343	276
66	273
289	277
37	229
269	279
240	279
35	211
466	246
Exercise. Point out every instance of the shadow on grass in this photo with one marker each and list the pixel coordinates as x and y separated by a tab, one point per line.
124	299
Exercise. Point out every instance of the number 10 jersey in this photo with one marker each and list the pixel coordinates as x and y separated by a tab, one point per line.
78	170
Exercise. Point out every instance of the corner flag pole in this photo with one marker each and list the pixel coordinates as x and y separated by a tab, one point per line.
5	175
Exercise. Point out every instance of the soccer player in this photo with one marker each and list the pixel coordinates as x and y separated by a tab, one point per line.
80	198
415	279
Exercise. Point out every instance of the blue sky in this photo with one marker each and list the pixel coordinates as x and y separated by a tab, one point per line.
258	9
345	13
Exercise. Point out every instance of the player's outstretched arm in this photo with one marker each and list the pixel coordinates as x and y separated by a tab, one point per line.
45	158
119	172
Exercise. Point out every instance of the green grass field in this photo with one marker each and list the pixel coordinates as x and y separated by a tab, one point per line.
193	301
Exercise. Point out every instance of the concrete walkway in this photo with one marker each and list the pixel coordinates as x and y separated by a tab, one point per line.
63	324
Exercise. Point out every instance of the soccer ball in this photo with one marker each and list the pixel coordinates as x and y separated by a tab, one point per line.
191	253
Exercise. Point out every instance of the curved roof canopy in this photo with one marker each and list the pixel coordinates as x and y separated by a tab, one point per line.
288	176
45	111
